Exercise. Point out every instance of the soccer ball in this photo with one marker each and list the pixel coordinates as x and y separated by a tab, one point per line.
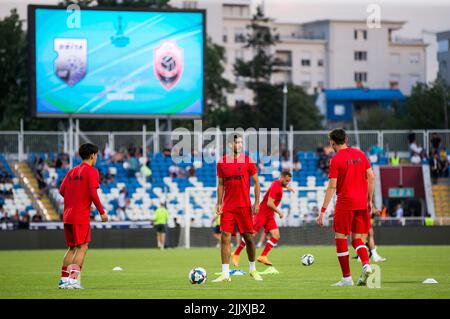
307	259
197	276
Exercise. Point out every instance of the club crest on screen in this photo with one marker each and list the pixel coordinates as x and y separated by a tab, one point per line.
70	65
168	61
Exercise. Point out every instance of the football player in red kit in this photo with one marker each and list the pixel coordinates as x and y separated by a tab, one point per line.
233	204
266	218
353	180
79	189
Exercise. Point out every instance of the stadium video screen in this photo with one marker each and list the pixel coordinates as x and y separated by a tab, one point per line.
116	63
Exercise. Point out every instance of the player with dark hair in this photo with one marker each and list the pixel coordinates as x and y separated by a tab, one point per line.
79	189
233	203
266	218
352	178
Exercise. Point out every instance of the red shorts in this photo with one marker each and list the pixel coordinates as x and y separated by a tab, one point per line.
351	221
264	220
240	217
77	234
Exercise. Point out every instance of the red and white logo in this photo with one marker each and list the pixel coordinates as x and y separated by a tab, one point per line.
168	61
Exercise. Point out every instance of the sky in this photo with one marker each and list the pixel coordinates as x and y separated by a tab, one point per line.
423	17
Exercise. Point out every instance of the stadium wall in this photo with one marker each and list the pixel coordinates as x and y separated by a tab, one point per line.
202	237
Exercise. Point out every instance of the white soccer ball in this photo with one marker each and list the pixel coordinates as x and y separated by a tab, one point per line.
307	259
197	276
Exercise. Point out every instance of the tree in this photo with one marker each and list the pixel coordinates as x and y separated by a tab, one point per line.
216	108
267	103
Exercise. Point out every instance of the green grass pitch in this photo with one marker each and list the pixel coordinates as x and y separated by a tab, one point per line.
150	273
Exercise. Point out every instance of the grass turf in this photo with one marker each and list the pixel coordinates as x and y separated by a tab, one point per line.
150	273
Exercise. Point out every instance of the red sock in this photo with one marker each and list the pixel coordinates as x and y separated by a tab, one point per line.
272	242
342	253
64	272
74	271
361	250
240	247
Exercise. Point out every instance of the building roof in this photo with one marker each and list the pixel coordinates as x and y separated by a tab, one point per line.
353	21
364	94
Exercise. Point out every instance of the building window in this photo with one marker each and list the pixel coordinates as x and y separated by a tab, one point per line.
443	45
413	79
360	34
414	58
320	62
191	4
360	76
236	10
225	35
240	82
360	56
239	35
239	54
285	58
306	62
395	58
394	81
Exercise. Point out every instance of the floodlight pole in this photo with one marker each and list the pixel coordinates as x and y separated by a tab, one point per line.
70	142
285	91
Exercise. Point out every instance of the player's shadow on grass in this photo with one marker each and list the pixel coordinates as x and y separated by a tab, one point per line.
400	282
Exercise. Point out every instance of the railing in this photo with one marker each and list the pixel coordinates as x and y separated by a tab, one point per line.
16	144
379	222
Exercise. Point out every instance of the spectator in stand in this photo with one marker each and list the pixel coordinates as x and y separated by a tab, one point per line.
435	142
435	166
53	182
108	153
2	212
146	172
398	211
24	222
416	159
297	164
394	160
414	148
5	218
123	200
37	218
191	171
16	220
131	166
167	152
174	170
444	162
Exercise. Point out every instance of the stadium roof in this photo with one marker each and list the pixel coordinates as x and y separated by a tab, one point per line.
364	94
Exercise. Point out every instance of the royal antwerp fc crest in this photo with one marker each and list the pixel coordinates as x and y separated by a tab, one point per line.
70	65
168	61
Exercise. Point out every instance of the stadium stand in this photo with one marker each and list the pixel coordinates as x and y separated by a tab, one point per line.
16	205
145	194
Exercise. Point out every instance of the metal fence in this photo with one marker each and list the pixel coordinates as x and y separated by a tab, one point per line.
21	143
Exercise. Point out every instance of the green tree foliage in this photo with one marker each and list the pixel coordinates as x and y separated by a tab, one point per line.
423	109
267	107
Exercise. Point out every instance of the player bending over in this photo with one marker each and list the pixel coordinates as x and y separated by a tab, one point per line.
266	218
353	180
234	205
370	241
79	189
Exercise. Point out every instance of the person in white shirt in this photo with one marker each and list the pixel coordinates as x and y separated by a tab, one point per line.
398	211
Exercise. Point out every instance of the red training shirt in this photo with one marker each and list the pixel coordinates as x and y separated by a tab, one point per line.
79	189
350	166
275	191
236	174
